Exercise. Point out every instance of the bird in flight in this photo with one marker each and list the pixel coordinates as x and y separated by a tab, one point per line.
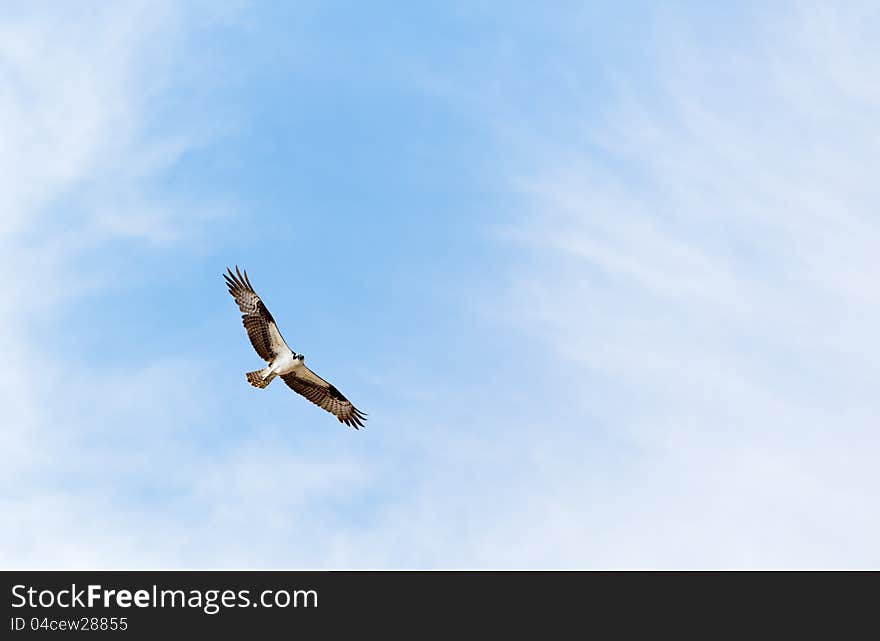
282	360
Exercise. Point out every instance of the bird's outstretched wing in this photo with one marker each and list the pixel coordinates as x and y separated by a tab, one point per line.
304	381
257	320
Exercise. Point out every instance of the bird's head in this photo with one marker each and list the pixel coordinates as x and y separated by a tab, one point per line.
300	357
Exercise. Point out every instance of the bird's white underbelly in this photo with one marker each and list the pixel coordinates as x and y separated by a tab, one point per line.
285	364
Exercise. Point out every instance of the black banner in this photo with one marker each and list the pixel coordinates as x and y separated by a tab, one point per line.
152	603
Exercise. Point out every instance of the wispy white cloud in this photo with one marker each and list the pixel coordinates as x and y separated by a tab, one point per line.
77	163
709	249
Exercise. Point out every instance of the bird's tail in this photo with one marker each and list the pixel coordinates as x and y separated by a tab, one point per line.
256	378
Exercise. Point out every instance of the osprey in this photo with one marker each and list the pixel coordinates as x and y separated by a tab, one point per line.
283	361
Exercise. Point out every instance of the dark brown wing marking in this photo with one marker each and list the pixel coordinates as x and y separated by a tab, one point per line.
305	382
257	320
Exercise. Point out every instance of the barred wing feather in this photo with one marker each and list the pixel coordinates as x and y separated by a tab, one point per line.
258	322
308	384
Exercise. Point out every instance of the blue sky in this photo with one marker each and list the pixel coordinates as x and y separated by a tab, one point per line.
603	276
